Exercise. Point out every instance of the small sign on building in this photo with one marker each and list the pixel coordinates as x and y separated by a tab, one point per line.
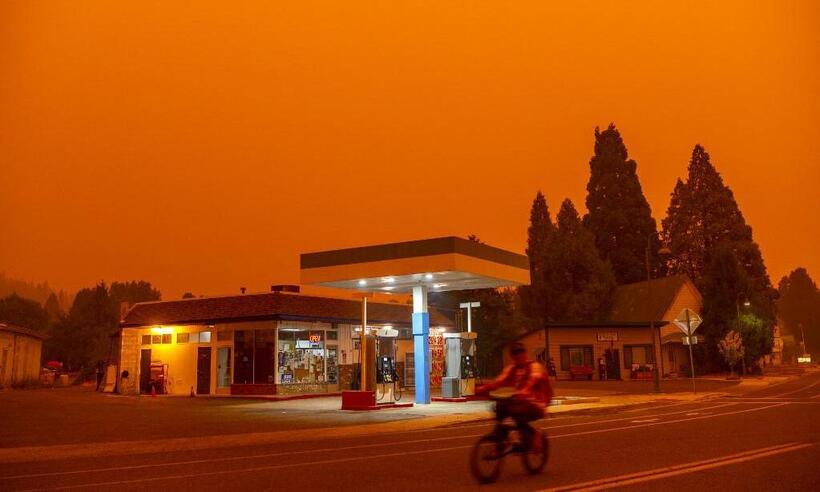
607	336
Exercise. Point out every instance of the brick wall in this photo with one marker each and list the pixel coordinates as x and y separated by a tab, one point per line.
129	361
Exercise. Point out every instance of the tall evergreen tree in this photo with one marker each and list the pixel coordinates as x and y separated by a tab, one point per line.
702	216
798	307
579	282
619	216
52	308
535	296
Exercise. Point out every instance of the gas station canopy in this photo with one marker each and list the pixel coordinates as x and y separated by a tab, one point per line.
441	264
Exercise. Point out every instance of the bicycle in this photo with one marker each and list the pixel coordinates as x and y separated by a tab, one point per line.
489	452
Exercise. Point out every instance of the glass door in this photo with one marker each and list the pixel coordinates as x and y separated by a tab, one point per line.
223	367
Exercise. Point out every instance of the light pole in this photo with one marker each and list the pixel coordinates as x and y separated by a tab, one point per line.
655	352
746	303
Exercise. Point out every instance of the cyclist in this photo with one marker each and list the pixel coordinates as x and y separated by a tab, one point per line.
533	393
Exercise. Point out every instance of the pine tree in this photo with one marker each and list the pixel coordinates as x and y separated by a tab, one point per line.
52	308
702	216
798	308
578	281
619	216
541	229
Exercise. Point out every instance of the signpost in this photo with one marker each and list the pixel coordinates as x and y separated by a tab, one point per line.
469	306
688	321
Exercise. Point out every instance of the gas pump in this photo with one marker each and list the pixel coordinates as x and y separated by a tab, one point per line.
387	380
460	363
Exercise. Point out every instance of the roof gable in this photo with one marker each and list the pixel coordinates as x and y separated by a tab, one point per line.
629	301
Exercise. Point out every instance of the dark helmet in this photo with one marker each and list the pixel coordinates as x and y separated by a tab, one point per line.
517	348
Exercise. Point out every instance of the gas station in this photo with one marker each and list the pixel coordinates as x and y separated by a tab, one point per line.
416	268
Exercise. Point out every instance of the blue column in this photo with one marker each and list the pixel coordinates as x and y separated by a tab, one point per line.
421	347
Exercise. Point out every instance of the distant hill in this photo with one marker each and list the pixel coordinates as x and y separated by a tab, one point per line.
35	292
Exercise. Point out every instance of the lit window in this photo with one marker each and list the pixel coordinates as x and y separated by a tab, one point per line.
193	337
167	338
157	339
182	337
146	339
205	337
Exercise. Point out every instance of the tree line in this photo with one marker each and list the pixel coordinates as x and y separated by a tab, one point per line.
576	262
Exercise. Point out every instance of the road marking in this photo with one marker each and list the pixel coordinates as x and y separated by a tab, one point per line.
321	450
642	421
664	422
347	448
671	471
797	390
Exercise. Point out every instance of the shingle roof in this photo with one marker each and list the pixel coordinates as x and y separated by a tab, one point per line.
22	331
269	306
629	300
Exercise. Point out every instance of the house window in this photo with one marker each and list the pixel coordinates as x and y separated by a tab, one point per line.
224	335
638	354
575	355
167	338
146	340
183	337
204	337
156	339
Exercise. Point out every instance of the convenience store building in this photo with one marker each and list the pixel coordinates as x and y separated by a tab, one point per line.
270	343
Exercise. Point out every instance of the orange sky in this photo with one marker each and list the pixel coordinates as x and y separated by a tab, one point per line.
203	147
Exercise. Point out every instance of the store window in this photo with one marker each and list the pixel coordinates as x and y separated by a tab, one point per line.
243	356
146	340
301	356
575	356
264	360
183	337
638	354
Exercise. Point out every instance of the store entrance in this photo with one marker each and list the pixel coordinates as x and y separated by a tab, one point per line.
613	366
203	371
145	370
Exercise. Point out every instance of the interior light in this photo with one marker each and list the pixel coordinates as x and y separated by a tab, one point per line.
388	287
389	327
389	280
362	282
429	276
438	286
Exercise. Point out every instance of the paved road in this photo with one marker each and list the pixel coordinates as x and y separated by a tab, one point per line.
763	440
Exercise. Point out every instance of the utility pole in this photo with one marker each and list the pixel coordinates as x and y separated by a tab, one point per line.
656	355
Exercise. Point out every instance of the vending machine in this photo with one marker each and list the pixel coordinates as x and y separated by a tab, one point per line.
460	362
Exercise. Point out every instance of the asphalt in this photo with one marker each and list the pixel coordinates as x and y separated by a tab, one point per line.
762	439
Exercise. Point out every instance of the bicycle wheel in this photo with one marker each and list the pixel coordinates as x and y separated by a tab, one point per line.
486	458
535	462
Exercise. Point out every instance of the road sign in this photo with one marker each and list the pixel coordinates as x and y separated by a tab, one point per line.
688	321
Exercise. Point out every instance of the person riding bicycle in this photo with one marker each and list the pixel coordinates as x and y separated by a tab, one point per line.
533	393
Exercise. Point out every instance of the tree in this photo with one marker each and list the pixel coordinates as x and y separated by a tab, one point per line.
535	297
84	335
798	308
52	308
726	287
619	216
577	280
23	312
188	295
731	348
703	216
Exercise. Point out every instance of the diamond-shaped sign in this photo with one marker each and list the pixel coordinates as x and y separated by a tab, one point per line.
688	321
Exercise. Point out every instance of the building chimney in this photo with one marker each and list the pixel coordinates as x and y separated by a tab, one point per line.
242	290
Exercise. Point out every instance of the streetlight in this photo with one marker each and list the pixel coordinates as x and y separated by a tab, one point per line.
655	352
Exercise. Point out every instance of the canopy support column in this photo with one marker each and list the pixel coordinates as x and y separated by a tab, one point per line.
421	344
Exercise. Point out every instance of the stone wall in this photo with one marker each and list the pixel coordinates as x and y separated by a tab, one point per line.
129	361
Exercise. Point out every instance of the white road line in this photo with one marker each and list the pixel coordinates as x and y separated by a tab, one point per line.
658	473
355	458
797	390
664	422
321	450
643	421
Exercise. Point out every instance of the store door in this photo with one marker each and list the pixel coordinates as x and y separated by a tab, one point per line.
223	367
203	371
145	370
613	366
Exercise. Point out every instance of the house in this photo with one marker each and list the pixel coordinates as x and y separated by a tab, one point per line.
20	353
621	346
